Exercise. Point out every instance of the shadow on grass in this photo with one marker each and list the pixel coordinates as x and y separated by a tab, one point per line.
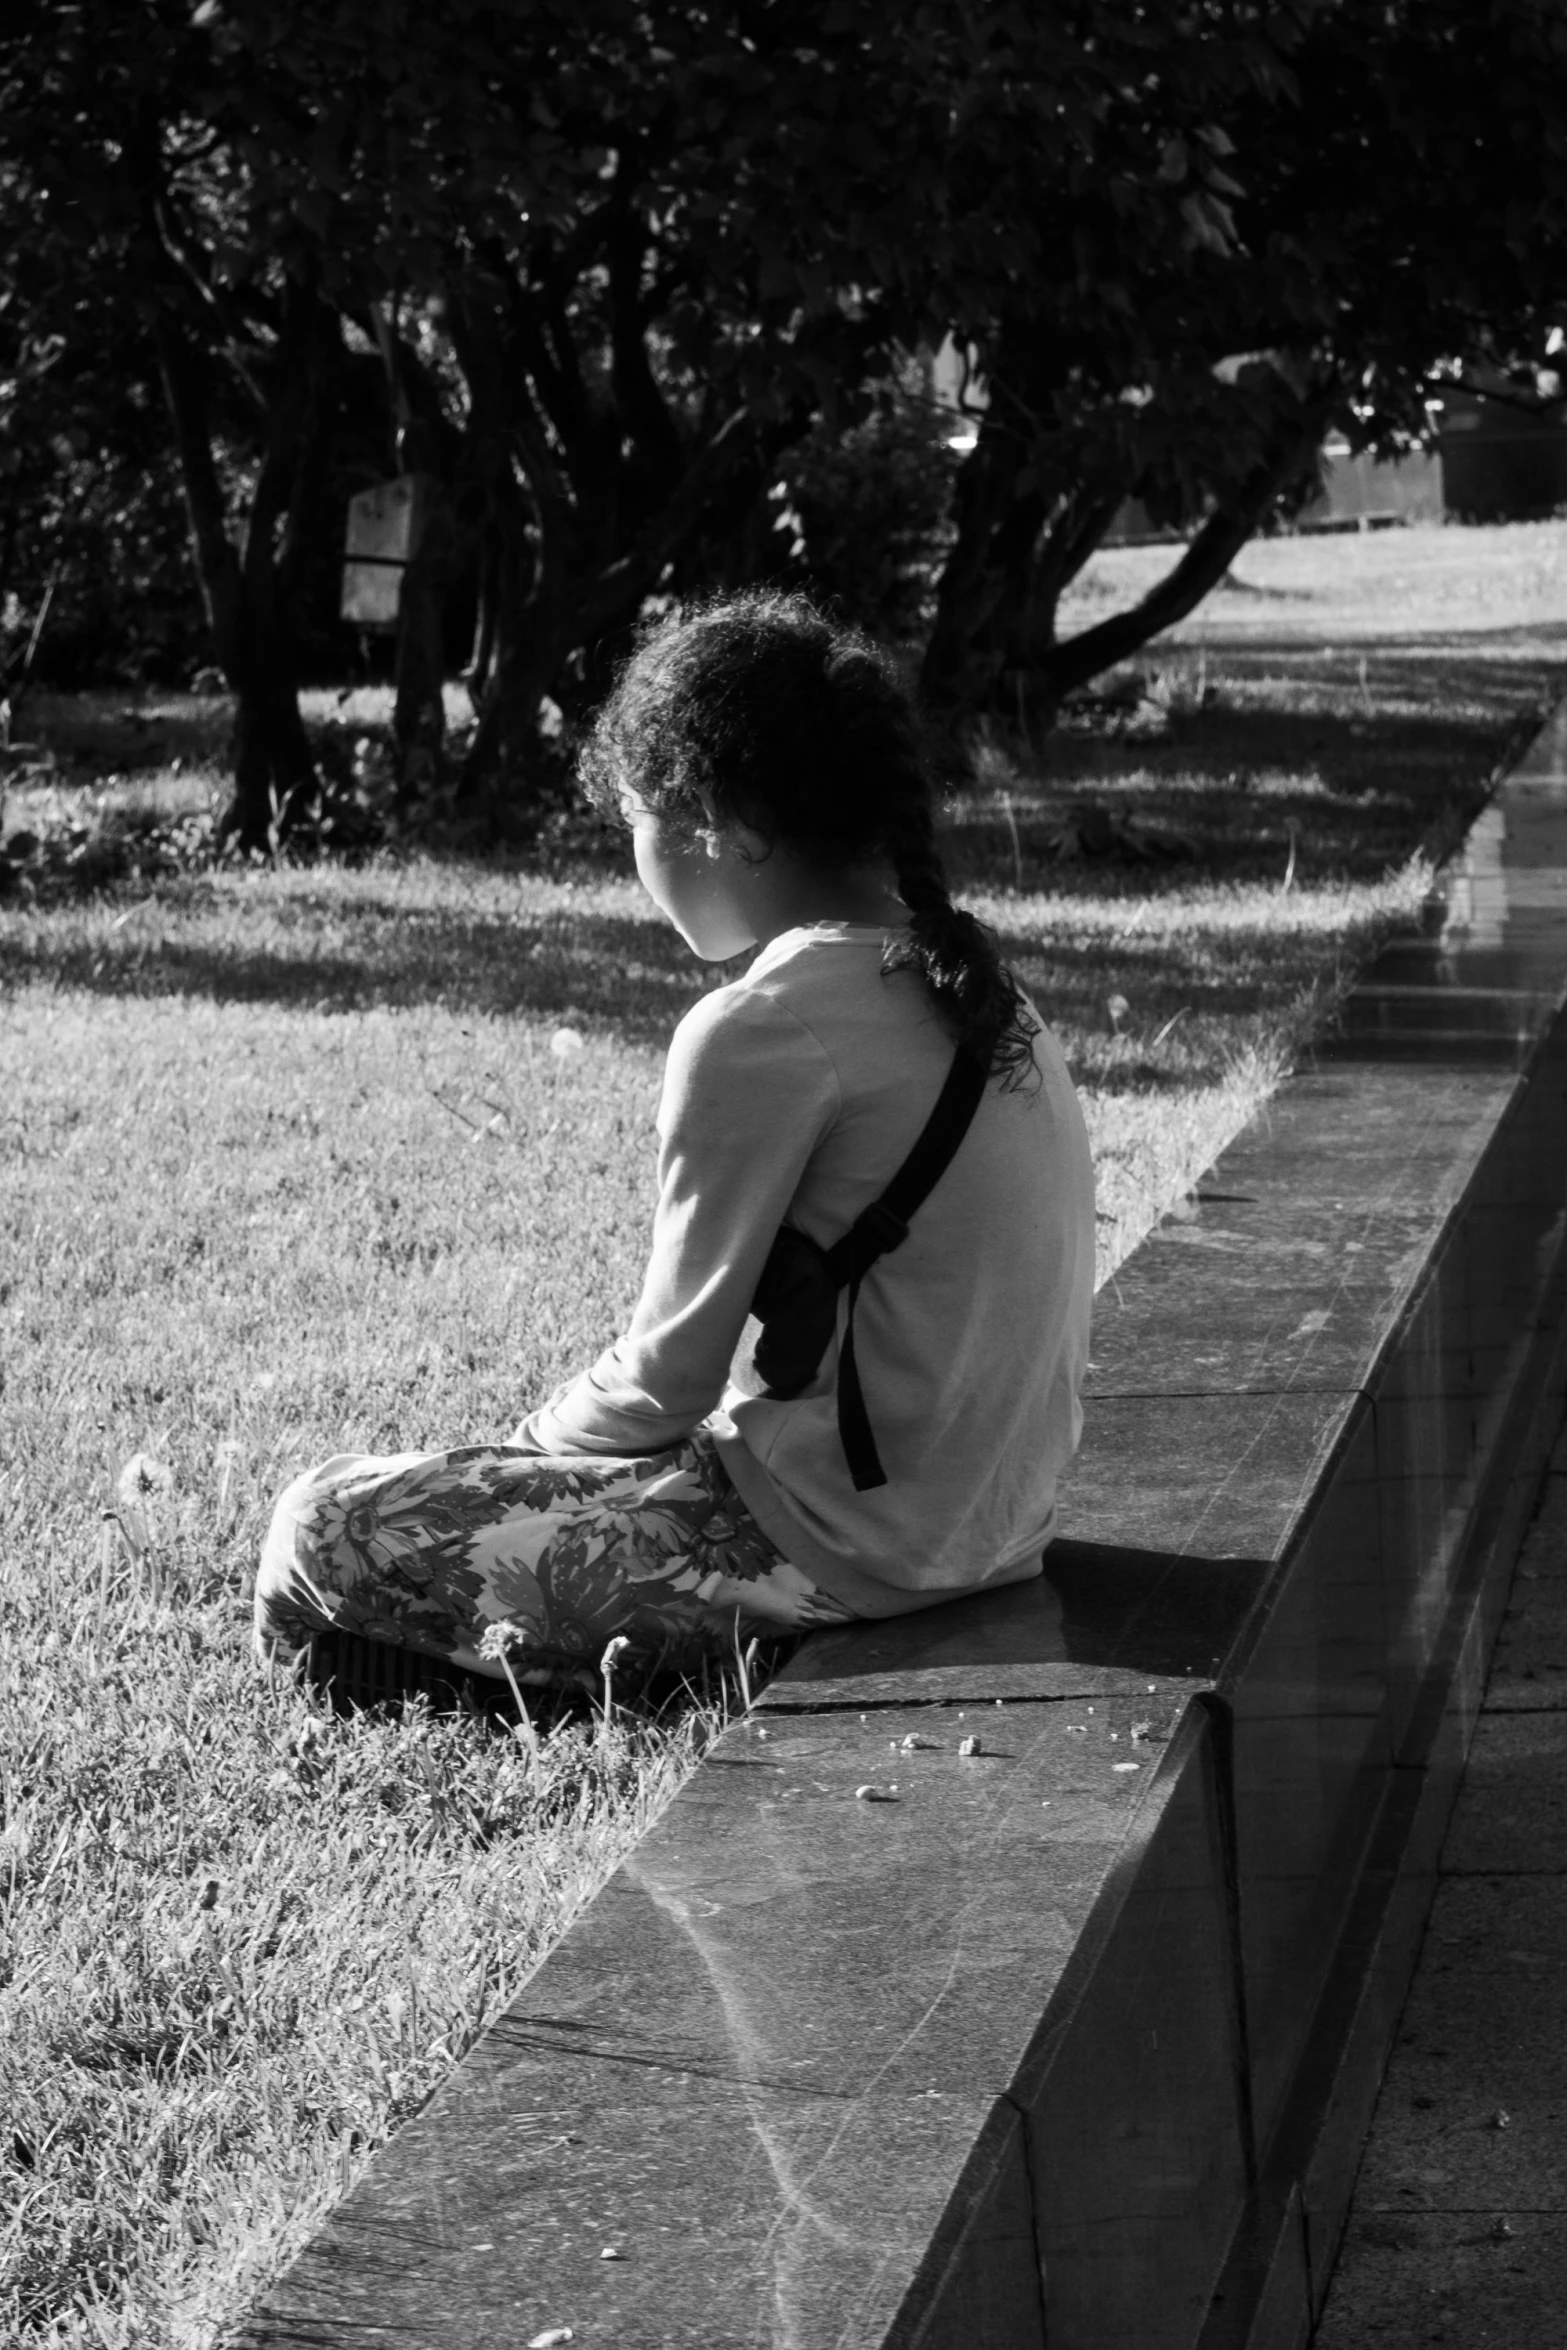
1476	658
1186	835
125	729
1253	591
632	976
1356	785
633	979
1350	772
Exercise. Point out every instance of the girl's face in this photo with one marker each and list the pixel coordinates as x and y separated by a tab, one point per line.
699	883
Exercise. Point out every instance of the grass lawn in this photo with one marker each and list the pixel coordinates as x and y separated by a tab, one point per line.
289	1166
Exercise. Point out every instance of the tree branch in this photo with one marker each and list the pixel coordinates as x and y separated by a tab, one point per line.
550	360
217	563
307	489
641	404
230	318
286	411
638	570
500	418
1210	554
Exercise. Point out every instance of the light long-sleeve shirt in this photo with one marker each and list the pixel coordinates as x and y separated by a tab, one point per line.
796	1093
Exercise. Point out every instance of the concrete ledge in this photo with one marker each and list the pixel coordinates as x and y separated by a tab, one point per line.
1076	2039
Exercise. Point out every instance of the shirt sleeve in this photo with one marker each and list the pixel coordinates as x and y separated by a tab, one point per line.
749	1092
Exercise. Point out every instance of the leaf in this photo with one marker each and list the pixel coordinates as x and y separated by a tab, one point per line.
1210	221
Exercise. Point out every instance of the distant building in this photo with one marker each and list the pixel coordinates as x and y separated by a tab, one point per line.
1364	490
1493	460
1502	460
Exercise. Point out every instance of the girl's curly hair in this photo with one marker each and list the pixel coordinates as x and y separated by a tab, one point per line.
805	732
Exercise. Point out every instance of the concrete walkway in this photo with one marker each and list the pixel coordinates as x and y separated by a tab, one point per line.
1458	2229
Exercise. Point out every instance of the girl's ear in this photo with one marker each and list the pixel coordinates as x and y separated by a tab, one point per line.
709	834
728	833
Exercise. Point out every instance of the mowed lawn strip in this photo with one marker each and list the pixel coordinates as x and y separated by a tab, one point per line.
288	1166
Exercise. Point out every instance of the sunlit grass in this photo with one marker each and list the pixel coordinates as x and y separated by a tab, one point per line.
289	1168
244	1939
1319	587
286	1166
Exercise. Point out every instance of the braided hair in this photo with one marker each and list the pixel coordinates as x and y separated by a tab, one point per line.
804	732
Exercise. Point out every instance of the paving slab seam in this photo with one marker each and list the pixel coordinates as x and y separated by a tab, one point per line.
863	1706
1497	1869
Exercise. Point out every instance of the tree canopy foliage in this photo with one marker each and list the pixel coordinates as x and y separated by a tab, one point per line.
1389	213
605	276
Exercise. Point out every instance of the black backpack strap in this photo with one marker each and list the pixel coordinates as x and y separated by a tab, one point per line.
854	1421
884	1225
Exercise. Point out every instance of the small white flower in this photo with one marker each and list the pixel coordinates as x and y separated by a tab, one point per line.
565	1042
142	1479
503	1634
140	1490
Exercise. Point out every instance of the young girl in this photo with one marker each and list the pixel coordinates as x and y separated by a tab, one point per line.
769	766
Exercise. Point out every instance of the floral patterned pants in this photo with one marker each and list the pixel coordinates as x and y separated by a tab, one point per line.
473	1554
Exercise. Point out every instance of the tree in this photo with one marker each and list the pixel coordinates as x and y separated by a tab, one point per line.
90	523
645	251
145	168
860	517
605	310
609	268
617	265
1379	213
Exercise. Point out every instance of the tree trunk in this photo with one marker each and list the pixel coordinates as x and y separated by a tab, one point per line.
274	773
428	450
561	603
275	776
594	495
508	759
955	673
1079	526
994	642
419	713
513	657
1056	669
